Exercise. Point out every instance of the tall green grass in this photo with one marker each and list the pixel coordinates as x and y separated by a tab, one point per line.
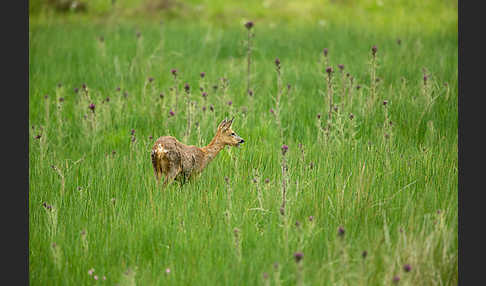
395	198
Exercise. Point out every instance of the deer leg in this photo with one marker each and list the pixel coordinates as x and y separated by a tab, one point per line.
169	178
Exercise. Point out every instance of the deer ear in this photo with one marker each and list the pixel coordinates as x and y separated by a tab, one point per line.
223	123
231	121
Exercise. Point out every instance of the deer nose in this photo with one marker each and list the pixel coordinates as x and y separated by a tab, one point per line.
242	141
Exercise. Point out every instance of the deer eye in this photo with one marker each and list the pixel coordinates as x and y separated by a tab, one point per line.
233	134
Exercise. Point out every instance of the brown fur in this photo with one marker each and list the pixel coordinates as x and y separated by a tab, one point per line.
176	160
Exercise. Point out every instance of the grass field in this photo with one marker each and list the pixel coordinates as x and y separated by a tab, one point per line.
364	200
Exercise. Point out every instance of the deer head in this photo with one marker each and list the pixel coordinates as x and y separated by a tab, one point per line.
226	135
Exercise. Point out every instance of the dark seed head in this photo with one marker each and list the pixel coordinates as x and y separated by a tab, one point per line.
329	70
150	79
385	102
277	62
250	92
187	87
311	218
161	95
211	107
249	25
318	116
341	67
325	51
204	108
92	107
202	74
358	87
399	42
298	256
138	34
407	267
61	99
364	254
76	90
174	72
132	132
118	89
351	116
267	181
297	223
374	49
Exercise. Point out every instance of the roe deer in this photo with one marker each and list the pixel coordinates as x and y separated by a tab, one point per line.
179	161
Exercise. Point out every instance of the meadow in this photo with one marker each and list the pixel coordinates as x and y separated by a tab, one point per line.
348	174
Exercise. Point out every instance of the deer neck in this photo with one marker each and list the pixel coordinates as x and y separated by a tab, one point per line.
212	149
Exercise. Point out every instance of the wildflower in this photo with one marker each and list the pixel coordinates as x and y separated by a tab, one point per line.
226	179
171	113
118	89
265	275
277	62
204	108
150	79
150	137
104	277
298	256
76	90
351	116
38	136
92	107
161	96
46	96
90	272
297	223
167	270
250	92
341	67
272	111
125	94
396	279
61	99
325	52
95	277
84	86
311	218
284	149
399	42
425	78
374	49
138	34
329	70
102	39
202	74
289	86
230	103
249	25
255	180
174	72
385	102
358	87
132	132
267	181
211	107
187	87
407	267
318	116
364	254
341	231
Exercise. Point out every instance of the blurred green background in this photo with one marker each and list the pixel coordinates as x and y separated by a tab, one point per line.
383	16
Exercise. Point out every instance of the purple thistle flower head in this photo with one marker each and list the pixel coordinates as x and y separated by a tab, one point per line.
132	132
76	90
118	88
385	102
351	116
425	78
204	108
341	67
297	223
204	94
150	79
230	103
341	231
174	72
61	99
285	148
84	86
358	87
329	70
298	256
265	275
171	113
250	92
272	111
107	99
325	51
407	267
311	218
46	96
38	136
396	279
202	74
92	107
187	88
267	181
249	25
277	62
318	116
374	49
